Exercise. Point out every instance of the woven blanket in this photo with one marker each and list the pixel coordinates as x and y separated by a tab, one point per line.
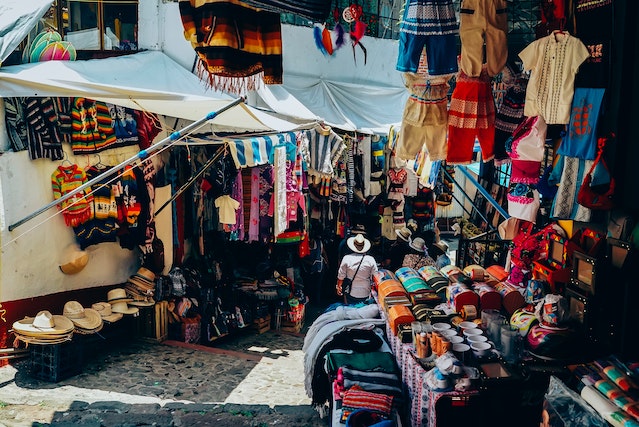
237	45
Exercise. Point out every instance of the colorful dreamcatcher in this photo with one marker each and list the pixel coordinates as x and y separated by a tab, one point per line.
328	42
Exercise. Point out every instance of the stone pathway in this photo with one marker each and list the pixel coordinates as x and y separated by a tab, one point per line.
245	380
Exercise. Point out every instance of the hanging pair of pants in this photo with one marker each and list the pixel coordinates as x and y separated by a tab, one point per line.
483	21
471	116
424	120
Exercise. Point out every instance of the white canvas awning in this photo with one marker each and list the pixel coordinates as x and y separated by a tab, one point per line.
348	106
17	18
149	81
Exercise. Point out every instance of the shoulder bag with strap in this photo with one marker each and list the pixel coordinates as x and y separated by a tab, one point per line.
587	196
347	283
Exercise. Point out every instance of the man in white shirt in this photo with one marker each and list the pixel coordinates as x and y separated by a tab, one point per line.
359	268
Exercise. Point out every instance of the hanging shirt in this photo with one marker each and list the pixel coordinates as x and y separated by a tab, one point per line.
554	61
227	207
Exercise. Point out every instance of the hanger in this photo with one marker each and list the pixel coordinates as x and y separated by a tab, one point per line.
99	164
65	159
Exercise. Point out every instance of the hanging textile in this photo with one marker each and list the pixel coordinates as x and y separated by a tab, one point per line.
125	125
101	226
325	147
16	124
132	200
238	46
249	152
254	220
266	177
92	127
45	140
581	136
471	116
279	190
65	180
554	61
569	174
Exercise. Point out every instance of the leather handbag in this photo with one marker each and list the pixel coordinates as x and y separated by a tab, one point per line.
588	196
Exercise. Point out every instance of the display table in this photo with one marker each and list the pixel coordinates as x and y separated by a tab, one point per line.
422	399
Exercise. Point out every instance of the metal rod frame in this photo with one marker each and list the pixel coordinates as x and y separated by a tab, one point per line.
141	155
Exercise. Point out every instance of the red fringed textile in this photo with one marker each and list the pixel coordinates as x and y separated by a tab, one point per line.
238	46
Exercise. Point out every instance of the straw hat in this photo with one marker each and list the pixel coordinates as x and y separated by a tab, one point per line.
359	244
118	295
104	308
85	318
145	273
73	259
44	324
118	299
418	244
123	308
404	233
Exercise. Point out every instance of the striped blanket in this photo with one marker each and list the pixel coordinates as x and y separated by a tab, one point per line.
237	44
411	280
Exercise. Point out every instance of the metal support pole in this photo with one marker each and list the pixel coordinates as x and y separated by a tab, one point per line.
171	139
483	192
472	202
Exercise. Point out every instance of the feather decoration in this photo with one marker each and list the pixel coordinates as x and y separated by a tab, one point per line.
339	36
358	32
327	41
317	35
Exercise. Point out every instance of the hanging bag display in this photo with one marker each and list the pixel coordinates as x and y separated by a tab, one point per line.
587	196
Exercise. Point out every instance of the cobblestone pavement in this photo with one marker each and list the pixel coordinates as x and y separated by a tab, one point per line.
245	380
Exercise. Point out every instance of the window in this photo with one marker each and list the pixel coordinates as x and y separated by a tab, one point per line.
83	21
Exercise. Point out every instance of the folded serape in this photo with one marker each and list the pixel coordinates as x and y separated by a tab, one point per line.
378	361
489	298
390	288
382	275
433	277
380	382
411	280
399	315
357	398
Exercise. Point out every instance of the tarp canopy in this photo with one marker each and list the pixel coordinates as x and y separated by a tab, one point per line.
348	106
341	89
17	19
148	81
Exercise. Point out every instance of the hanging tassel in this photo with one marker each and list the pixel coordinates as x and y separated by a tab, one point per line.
317	34
339	36
327	41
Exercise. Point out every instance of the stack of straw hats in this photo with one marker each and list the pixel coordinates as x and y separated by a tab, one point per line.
104	309
141	287
118	299
44	328
85	320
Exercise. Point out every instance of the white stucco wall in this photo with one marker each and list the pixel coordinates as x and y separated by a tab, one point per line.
31	253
